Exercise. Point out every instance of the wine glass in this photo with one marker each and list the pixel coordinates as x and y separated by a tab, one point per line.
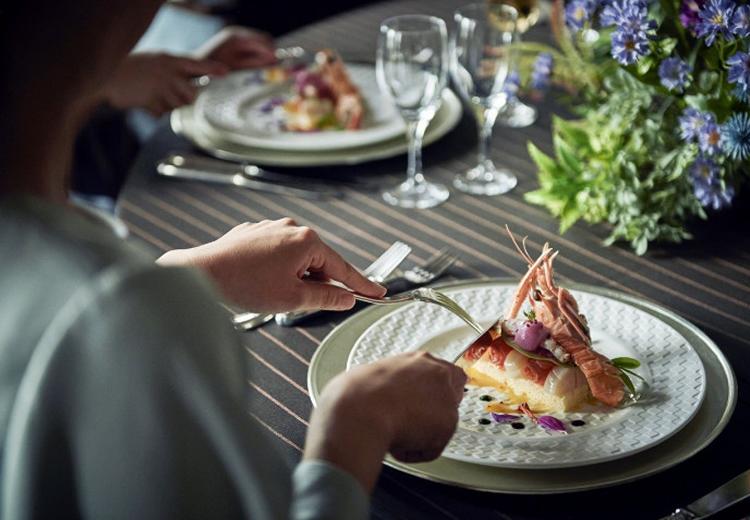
412	69
483	54
516	113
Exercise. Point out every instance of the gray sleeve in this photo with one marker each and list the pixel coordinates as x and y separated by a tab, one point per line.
323	491
139	411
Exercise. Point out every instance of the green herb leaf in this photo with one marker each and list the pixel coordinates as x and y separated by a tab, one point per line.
632	374
628	382
530	315
625	362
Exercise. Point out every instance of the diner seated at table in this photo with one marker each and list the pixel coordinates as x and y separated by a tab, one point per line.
122	384
146	85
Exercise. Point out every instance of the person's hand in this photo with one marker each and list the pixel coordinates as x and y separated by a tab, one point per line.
262	267
406	405
240	48
157	82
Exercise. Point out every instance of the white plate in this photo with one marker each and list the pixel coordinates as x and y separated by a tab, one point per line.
238	105
215	142
674	372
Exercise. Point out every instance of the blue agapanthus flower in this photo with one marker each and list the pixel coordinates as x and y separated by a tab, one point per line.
512	85
741	21
542	71
627	15
707	186
674	73
692	122
709	138
617	12
735	136
739	72
715	19
578	12
628	46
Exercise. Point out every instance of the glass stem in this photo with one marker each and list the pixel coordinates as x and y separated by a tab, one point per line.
485	124
415	133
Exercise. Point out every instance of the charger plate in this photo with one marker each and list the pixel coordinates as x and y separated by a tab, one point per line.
215	142
709	420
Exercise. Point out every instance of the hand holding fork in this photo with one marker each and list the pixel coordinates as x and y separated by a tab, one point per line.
423	274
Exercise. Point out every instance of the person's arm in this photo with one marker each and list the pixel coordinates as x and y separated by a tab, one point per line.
275	266
157	82
156	412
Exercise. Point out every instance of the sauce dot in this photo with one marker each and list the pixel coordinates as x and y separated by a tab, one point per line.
466	389
484	421
517	425
486	397
578	422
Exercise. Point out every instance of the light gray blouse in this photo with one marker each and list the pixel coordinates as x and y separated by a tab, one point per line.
122	389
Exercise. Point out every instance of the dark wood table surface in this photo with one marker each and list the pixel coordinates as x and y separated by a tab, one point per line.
706	281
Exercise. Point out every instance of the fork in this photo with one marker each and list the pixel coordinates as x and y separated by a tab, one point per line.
429	295
380	269
432	269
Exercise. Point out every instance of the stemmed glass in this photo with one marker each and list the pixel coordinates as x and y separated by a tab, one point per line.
412	69
516	113
483	54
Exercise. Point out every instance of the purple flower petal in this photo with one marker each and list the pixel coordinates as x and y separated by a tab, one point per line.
503	418
551	423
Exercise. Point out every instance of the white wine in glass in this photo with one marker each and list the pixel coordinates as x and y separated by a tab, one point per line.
518	114
528	12
412	70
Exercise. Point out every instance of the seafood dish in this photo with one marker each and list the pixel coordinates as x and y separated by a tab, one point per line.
545	358
324	97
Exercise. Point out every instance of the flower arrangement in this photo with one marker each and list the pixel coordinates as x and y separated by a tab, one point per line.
662	90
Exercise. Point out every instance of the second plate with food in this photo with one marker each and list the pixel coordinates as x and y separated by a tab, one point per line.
673	370
215	142
247	107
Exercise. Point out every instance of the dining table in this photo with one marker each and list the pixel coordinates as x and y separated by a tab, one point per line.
705	280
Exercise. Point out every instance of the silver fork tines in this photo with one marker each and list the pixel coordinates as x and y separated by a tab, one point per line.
432	269
426	294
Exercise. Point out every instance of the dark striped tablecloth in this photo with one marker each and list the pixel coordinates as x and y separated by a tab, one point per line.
707	281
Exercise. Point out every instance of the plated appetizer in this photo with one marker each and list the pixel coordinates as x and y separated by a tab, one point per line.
324	97
546	357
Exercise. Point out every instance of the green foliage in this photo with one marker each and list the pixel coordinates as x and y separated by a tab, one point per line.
623	162
620	164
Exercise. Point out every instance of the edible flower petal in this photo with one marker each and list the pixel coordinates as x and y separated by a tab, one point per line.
551	423
503	418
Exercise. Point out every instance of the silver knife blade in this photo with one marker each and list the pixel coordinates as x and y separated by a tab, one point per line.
726	495
250	170
198	162
237	177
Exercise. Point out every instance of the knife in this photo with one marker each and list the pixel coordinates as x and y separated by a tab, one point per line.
255	172
245	176
717	500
